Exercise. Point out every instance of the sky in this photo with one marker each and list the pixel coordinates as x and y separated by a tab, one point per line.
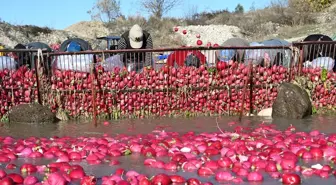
60	14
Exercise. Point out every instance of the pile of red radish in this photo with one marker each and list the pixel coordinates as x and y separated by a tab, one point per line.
17	87
123	93
262	154
182	100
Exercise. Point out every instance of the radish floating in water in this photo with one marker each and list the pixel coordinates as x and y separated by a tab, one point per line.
255	177
291	179
7	181
30	180
161	179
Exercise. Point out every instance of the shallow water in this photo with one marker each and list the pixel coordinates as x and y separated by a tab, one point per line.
326	124
135	162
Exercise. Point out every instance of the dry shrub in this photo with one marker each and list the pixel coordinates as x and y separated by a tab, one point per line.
162	31
267	21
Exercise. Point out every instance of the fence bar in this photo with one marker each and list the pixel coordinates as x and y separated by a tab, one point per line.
169	49
251	90
39	99
93	87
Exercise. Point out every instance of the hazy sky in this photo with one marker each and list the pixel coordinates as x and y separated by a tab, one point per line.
60	14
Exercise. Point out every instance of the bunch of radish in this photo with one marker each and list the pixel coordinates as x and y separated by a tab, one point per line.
167	91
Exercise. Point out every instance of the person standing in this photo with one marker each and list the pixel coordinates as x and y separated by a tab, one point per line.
136	38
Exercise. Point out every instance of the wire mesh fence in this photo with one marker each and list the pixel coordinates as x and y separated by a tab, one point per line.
166	82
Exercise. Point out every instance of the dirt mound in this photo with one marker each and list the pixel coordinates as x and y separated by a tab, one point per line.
88	29
31	113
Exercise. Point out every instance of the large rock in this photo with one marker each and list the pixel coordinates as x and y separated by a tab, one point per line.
31	113
292	102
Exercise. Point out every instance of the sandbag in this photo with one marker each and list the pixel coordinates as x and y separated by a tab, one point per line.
79	63
7	63
226	55
230	54
278	56
256	55
112	62
323	62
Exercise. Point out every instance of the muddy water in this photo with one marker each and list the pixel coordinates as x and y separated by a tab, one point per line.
135	162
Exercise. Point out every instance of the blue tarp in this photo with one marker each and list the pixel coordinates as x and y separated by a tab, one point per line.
162	57
228	54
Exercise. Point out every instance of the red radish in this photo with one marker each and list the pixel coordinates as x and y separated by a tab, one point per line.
161	179
291	179
119	171
287	164
30	180
18	179
199	42
171	166
114	162
184	32
212	165
223	176
209	44
144	181
255	177
56	179
132	173
179	158
10	166
225	162
177	179
7	181
205	171
77	174
193	181
176	29
88	180
28	168
2	174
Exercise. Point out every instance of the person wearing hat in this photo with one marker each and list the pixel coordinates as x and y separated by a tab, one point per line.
136	38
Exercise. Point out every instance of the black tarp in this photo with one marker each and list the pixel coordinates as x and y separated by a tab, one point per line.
313	51
39	45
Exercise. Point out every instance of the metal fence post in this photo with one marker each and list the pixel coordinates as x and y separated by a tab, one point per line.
251	88
93	79
301	60
39	100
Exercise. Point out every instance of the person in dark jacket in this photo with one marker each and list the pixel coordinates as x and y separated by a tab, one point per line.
136	38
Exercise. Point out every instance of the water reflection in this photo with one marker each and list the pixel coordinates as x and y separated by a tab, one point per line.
200	124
